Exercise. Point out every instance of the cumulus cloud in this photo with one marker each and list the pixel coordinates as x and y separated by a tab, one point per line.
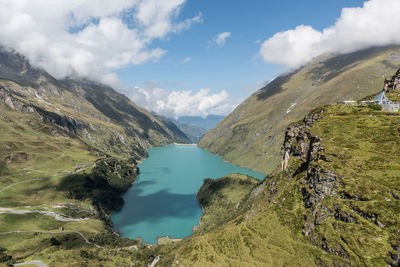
221	38
175	104
86	37
377	23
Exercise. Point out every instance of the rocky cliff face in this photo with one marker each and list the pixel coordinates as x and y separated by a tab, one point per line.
319	182
392	84
300	143
314	152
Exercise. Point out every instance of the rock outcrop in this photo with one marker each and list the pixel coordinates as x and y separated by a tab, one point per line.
300	143
16	158
7	98
319	183
392	84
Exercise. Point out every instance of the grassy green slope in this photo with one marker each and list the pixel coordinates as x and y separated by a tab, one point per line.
57	188
252	134
290	222
217	196
37	175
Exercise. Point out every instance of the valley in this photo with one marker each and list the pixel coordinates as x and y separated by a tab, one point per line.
332	198
184	133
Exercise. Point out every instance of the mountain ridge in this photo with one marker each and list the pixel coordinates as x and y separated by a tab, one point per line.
97	108
252	134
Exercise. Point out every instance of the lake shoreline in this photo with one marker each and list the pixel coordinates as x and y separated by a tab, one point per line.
230	162
156	189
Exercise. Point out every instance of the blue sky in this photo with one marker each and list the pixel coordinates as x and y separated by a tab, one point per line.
164	54
236	66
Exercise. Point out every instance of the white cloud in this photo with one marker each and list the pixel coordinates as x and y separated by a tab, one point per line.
186	60
182	103
377	23
186	24
86	37
156	17
221	38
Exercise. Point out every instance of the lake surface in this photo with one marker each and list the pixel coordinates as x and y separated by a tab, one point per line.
162	202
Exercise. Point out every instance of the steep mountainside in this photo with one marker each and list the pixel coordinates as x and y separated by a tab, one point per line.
95	113
335	202
252	134
196	127
194	132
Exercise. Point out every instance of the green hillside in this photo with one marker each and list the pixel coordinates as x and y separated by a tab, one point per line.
251	136
68	151
335	204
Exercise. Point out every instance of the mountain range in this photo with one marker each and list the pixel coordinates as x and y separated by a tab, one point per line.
70	148
195	127
94	113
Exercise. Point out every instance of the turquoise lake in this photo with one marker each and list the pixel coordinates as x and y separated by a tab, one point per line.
162	201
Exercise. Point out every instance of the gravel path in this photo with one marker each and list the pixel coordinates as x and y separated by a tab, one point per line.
53	214
34	262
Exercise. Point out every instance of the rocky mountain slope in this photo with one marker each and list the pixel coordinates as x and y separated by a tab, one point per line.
92	112
334	201
197	126
252	134
194	132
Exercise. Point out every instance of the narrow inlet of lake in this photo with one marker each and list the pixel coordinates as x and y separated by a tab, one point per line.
162	201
